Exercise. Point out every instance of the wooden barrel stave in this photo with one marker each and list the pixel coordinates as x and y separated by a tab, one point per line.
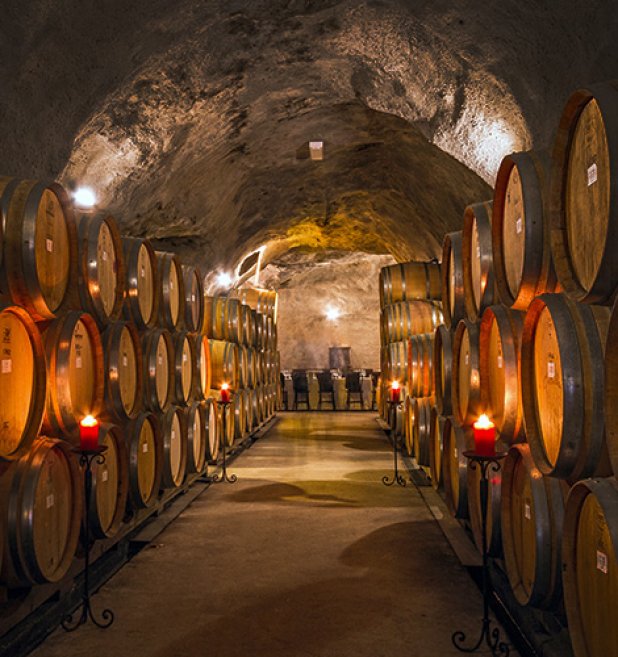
436	442
145	446
212	430
194	299
224	364
443	369
456	439
174	439
141	300
611	389
171	291
185	361
158	370
196	419
410	280
466	384
203	372
453	296
420	429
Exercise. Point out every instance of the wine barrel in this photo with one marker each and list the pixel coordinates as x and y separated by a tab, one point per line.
500	349
583	211
523	265
408	422
22	380
240	422
398	362
532	512
203	369
611	389
194	298
209	307
123	372
41	497
443	370
174	439
436	433
75	373
262	301
466	384
249	418
455	440
171	291
410	280
101	272
228	437
421	428
590	554
453	298
141	299
145	445
110	484
185	362
477	260
251	366
247	320
409	318
224	364
158	370
39	246
243	367
493	520
196	420
420	365
212	430
562	387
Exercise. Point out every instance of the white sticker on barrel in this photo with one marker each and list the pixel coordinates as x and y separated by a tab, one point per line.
125	361
171	285
551	369
519	225
184	358
602	562
527	511
104	256
49	245
500	362
104	476
153	371
143	274
455	453
467	359
478	251
160	359
49	502
173	435
193	298
7	365
145	447
592	174
78	362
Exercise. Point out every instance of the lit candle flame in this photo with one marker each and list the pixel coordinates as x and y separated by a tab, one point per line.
225	386
89	421
483	423
395	385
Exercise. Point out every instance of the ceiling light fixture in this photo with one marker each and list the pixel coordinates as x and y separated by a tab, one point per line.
84	197
332	313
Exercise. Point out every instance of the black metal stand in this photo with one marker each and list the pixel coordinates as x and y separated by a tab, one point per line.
397	478
491	637
223	477
86	458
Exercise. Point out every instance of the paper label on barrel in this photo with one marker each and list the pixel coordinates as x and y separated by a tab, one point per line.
49	245
592	174
455	453
160	359
104	255
145	447
7	366
519	225
104	476
171	285
193	298
143	272
78	362
125	361
602	562
49	502
184	358
153	371
478	251
551	369
173	435
467	359
500	362
527	511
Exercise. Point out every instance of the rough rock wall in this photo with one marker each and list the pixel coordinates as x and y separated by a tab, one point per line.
348	282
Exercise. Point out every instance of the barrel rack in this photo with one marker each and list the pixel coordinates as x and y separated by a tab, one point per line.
33	614
533	632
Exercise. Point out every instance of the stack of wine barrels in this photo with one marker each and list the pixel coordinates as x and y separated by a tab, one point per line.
531	339
242	332
92	324
410	295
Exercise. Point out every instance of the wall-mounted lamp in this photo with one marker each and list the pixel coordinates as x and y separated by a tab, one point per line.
332	313
224	279
84	198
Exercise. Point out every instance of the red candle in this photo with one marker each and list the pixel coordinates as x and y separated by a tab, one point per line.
485	436
89	433
395	392
225	393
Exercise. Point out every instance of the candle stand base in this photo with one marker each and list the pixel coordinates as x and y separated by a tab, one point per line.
86	458
223	476
396	478
490	637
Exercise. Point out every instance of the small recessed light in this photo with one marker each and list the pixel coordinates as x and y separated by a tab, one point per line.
332	313
84	197
316	150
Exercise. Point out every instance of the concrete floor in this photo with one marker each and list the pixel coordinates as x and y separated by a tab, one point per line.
308	555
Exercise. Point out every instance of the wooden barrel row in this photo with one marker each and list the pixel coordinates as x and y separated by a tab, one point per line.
227	318
263	302
405	319
409	281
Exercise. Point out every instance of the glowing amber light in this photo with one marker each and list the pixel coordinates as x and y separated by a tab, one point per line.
484	436
395	391
225	393
89	433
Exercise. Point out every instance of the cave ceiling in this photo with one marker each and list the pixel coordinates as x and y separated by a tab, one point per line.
192	119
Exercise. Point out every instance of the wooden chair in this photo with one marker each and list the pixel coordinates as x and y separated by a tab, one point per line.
353	387
325	384
300	383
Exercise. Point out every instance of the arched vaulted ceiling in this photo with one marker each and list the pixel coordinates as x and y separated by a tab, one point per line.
191	119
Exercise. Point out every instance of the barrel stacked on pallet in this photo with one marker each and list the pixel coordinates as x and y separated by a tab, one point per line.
242	332
529	339
410	310
96	324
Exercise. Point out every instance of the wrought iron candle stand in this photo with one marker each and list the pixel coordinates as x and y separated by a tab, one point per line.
86	458
397	478
491	637
223	477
